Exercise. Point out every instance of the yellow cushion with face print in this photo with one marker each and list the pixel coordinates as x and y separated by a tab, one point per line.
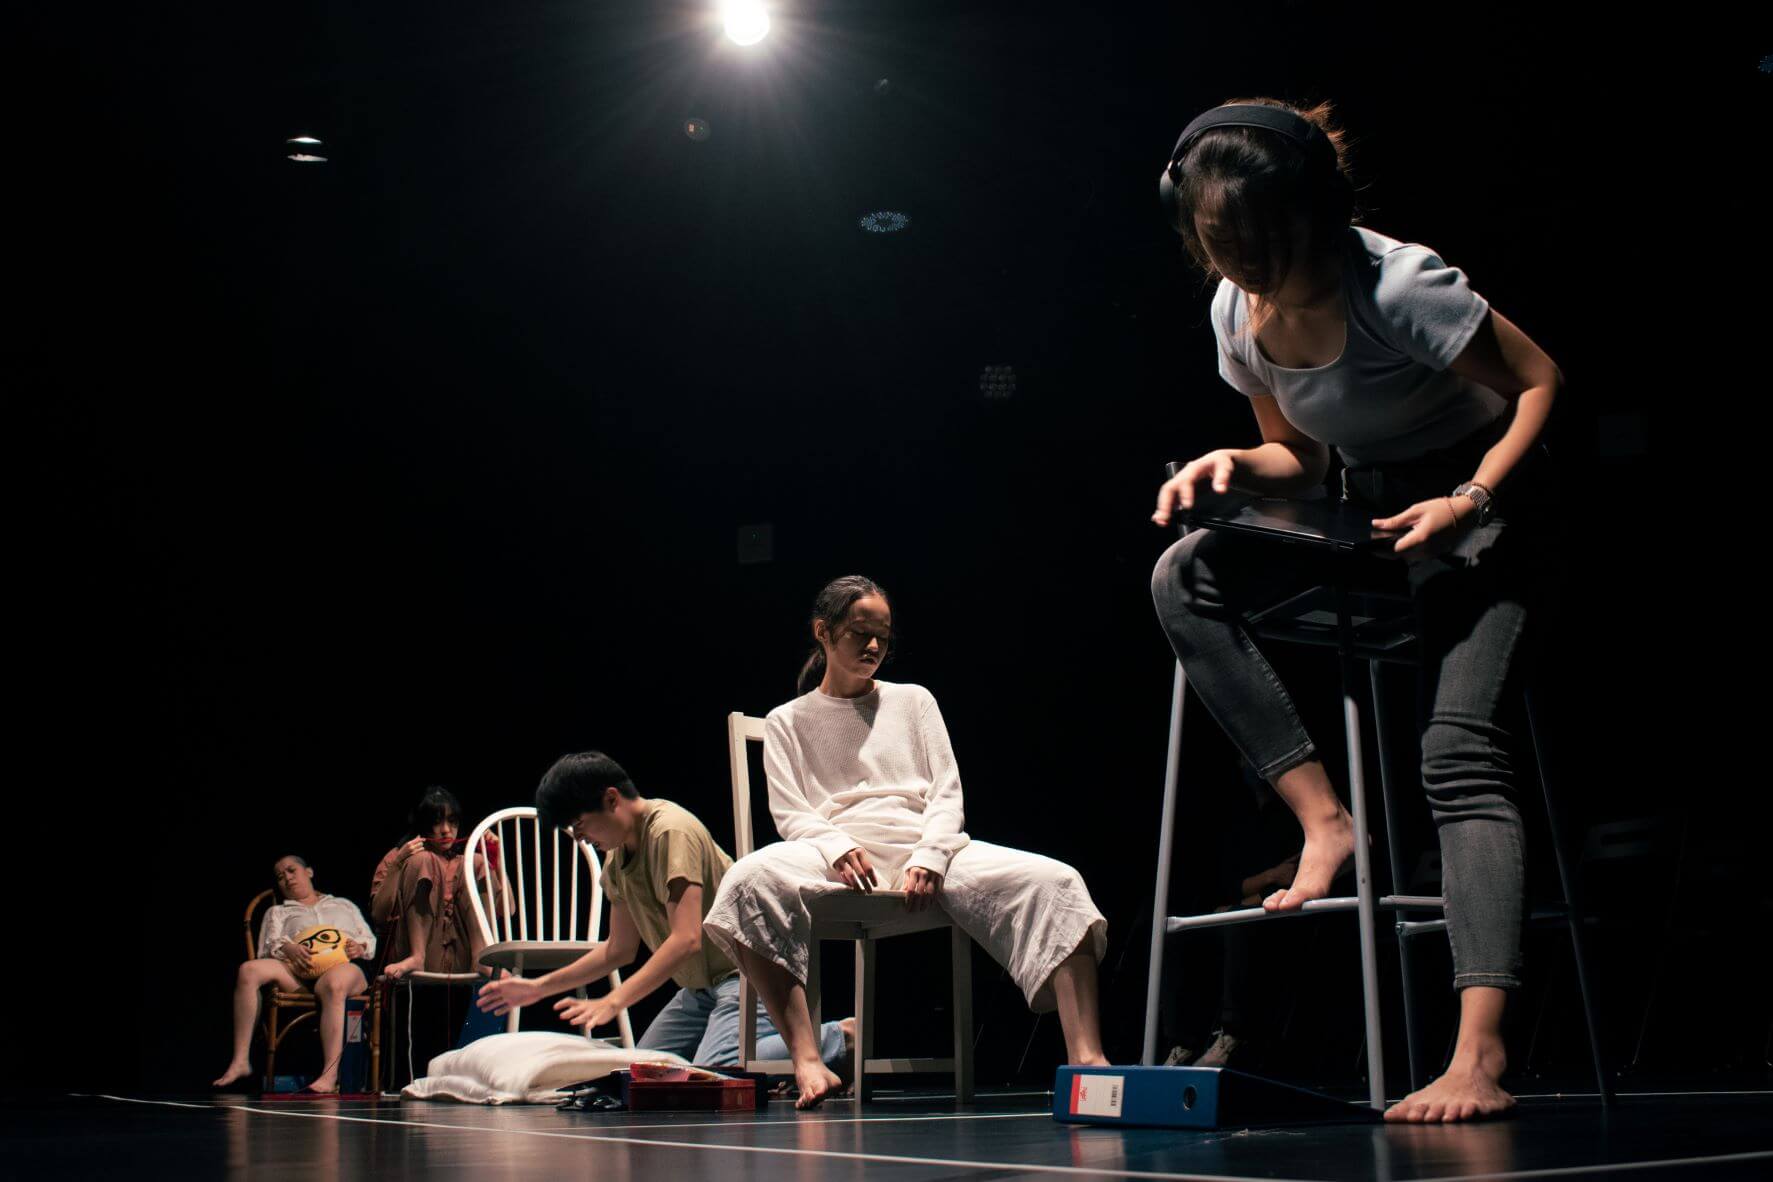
326	950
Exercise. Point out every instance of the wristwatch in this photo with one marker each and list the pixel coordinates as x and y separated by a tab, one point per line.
1480	496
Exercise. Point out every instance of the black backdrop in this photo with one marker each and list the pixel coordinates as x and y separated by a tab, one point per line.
429	464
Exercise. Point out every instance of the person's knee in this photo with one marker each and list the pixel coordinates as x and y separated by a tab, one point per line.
418	872
1465	767
1170	576
339	982
746	875
1178	587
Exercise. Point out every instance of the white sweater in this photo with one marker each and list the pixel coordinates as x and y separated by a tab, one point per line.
875	771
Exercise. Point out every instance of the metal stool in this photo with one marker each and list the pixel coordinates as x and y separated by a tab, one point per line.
1361	627
407	984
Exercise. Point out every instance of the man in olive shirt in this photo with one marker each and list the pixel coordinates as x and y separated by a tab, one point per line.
661	870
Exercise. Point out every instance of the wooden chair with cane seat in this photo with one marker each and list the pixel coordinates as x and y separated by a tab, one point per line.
531	894
275	1002
862	920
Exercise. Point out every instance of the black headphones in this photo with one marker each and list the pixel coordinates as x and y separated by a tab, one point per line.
1303	132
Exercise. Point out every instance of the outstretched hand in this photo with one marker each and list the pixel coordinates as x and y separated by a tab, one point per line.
589	1012
507	994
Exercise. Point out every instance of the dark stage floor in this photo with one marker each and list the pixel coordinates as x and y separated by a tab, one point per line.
1650	1135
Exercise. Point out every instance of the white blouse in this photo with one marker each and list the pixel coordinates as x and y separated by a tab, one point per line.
289	919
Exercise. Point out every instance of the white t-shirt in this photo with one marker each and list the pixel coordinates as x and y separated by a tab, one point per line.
1389	396
288	919
875	771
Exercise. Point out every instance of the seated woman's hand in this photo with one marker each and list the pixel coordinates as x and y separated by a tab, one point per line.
296	956
856	871
921	888
1219	468
354	950
506	994
412	847
1432	527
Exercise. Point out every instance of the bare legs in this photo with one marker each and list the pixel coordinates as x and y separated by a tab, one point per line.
785	1000
254	975
1329	834
333	987
418	920
1074	988
1470	1088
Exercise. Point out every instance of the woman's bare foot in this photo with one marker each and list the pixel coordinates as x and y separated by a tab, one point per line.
1468	1091
1091	1061
401	968
233	1075
326	1085
1328	846
816	1081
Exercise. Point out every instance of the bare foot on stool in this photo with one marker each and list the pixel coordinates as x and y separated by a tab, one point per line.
1328	846
401	968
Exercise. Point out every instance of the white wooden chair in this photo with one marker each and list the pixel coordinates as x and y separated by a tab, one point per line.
532	897
863	920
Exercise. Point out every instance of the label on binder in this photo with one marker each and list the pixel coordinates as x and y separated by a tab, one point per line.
1097	1095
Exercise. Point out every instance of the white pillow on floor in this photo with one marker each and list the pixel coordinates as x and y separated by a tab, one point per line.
524	1067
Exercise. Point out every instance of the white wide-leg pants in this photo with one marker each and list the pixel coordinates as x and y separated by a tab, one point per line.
1028	911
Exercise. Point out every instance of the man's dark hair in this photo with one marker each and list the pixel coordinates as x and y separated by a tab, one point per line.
576	784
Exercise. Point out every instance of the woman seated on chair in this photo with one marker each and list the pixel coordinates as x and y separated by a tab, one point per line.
420	889
864	789
285	961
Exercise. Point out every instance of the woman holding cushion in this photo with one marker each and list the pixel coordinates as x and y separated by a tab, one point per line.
300	942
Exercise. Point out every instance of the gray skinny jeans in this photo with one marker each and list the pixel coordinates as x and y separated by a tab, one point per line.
1472	608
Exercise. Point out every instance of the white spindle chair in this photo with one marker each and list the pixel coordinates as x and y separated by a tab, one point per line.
863	920
529	931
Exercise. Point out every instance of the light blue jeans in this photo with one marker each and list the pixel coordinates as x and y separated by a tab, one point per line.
702	1025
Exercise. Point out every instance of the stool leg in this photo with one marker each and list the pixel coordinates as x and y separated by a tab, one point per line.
960	947
1572	911
864	1012
270	1004
1412	1049
1160	894
747	1023
1363	873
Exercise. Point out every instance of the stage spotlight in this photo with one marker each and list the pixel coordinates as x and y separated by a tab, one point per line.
884	221
299	146
697	129
746	21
